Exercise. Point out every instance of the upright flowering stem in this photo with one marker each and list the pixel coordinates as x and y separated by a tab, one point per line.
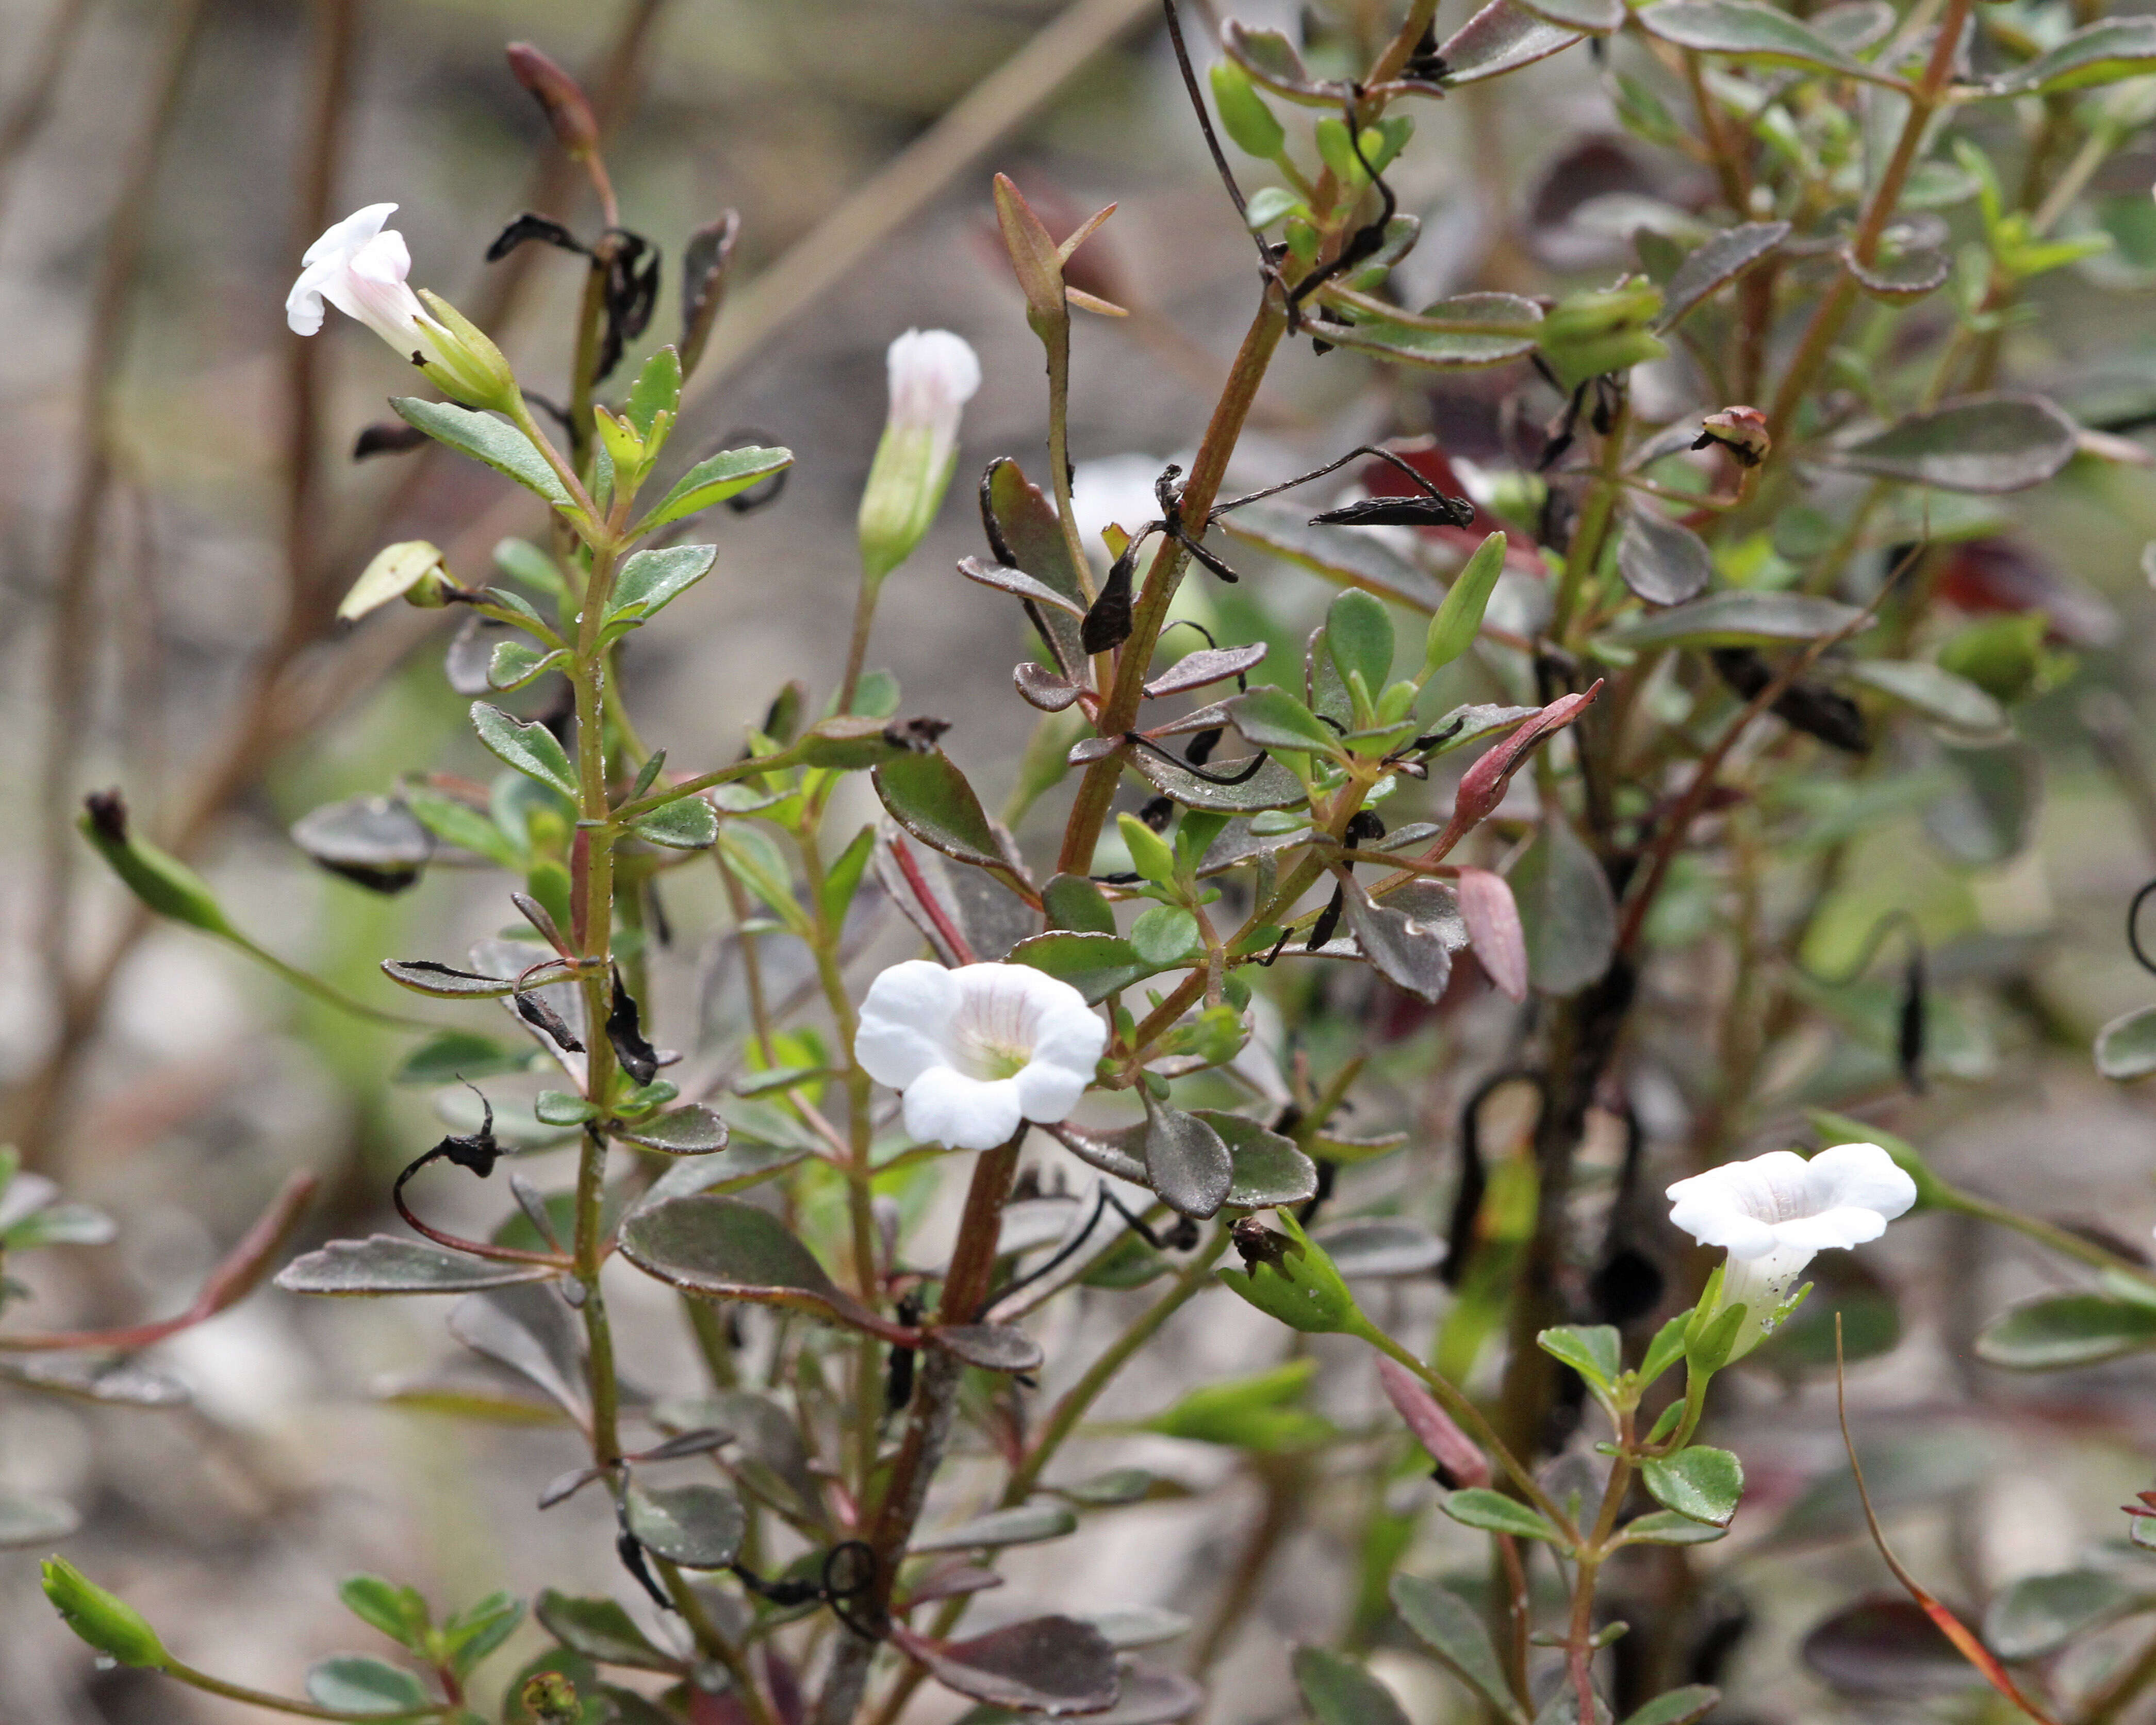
966	1287
595	850
1097	792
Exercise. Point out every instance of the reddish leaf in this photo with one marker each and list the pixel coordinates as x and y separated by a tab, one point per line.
1459	1455
1483	786
1493	928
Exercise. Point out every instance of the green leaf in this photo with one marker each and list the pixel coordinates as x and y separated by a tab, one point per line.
1253	1413
561	1107
459	823
686	824
399	1612
1597	17
531	748
2102	53
1665	1527
1717	263
1592	1351
2126	1047
520	560
658	391
354	1685
2041	1614
2065	1330
928	796
1271	718
1453	1632
1936	692
600	1630
1027	524
1702	1483
1269	1170
1463	333
699	1527
1664	562
1095	965
1740	617
1358	632
1187	1161
844	876
1982	444
513	664
1567	913
1494	1512
1459	620
651	580
1338	1691
478	1629
484	438
1666	1349
1026	1524
1501	37
1759	35
1677	1707
1075	903
382	1264
729	1250
693	1130
724	475
1167	935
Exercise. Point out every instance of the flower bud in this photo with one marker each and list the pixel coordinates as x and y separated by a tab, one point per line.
550	1697
933	375
560	96
1602	330
1289	1278
104	1620
159	878
1243	115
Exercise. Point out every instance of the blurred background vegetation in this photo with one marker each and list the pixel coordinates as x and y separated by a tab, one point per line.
181	513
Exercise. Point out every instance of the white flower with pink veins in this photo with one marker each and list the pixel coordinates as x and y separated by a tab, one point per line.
360	267
976	1050
1774	1212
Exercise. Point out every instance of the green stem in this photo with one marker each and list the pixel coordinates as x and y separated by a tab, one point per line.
2061	1240
321	991
1191	1280
1834	305
1096	791
712	1639
1456	1402
285	1704
1584	553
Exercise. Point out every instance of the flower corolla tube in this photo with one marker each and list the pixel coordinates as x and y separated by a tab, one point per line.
933	375
977	1050
361	267
1774	1212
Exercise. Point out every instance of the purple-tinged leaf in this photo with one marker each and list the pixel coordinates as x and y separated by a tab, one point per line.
1493	928
1055	1666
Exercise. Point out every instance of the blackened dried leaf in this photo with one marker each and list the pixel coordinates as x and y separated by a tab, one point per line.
630	294
531	225
386	437
536	1012
1909	1037
704	263
638	1058
1108	625
1823	713
1439	511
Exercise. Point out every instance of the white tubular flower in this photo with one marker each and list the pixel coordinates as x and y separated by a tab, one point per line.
361	268
976	1049
933	375
1774	1212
